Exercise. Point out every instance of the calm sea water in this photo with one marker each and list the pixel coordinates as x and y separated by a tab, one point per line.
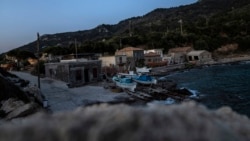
223	85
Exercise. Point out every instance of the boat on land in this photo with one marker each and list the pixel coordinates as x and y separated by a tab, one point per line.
124	82
144	79
143	70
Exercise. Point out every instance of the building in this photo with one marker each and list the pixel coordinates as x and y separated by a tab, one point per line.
129	56
157	51
152	57
74	72
108	61
199	56
179	54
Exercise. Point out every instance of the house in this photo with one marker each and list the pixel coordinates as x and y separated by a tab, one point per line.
152	57
157	51
129	56
74	72
199	56
178	54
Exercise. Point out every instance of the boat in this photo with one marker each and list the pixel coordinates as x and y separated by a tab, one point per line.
124	82
145	79
143	70
131	74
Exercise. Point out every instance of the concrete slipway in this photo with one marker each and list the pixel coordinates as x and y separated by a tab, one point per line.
62	98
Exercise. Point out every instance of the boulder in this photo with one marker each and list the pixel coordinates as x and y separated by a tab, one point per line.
11	104
23	111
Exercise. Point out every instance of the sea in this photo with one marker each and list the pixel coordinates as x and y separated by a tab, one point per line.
218	85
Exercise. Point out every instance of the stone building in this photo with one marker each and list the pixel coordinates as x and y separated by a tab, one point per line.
152	57
74	72
129	57
179	54
199	56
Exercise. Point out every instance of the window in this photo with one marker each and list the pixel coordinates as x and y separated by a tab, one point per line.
196	57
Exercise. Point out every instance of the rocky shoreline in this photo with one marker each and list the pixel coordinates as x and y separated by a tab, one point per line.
16	98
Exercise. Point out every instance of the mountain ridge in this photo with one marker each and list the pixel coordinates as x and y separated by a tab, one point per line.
162	19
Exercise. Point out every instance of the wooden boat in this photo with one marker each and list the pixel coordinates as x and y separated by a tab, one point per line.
145	79
124	83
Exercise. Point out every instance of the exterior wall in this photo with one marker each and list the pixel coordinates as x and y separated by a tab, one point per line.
178	58
120	59
138	54
74	73
152	59
179	54
200	57
108	60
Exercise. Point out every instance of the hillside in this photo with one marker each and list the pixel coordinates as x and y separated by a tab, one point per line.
204	23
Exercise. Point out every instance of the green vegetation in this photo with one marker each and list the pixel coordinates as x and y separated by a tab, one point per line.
207	24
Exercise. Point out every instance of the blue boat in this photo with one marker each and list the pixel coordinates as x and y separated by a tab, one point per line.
145	79
124	82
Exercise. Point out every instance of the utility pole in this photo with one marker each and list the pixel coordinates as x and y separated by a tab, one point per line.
76	49
180	21
38	61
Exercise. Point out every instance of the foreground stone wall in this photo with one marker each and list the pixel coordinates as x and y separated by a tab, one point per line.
185	122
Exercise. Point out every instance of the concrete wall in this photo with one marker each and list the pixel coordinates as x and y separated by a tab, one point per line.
74	73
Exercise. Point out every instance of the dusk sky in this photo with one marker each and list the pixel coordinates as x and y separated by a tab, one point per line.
20	20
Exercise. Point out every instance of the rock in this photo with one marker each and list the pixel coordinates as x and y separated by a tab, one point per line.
183	122
10	90
11	104
23	111
35	92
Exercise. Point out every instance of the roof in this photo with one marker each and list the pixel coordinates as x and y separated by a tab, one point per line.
151	54
196	52
129	49
180	49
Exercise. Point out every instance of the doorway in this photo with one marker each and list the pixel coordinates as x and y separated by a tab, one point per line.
86	75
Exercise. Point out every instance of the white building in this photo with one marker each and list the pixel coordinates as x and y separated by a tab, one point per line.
107	61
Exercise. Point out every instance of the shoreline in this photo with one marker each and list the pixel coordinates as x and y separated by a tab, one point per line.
168	70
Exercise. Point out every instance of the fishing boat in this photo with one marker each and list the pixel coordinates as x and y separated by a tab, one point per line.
145	79
143	70
124	82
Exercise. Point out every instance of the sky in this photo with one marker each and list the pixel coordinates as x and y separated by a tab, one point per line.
20	20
